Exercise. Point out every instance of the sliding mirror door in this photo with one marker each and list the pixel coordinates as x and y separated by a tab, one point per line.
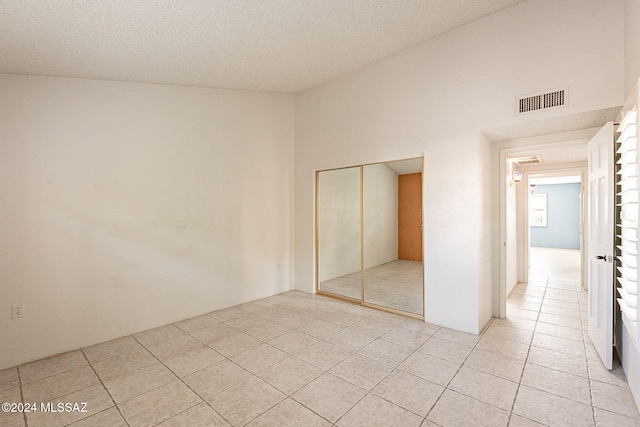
392	235
369	235
338	231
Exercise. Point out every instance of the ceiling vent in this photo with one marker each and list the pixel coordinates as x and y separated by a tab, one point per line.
528	160
547	100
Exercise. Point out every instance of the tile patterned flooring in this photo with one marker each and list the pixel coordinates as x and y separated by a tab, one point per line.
396	284
296	359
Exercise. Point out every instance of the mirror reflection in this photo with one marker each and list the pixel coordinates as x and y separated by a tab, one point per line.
369	235
392	213
338	228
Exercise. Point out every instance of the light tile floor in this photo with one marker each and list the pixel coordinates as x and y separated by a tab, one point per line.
302	360
396	284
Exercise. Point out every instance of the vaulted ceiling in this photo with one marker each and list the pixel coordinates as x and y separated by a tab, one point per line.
266	45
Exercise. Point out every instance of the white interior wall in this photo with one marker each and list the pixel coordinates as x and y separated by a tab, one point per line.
338	223
522	232
512	230
128	206
380	188
630	358
631	44
626	348
488	231
629	353
432	99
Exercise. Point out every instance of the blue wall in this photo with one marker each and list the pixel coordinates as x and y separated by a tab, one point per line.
563	218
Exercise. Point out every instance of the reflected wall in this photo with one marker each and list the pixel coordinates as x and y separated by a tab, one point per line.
366	224
338	232
392	200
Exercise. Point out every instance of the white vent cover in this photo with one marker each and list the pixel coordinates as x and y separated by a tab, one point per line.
546	100
528	160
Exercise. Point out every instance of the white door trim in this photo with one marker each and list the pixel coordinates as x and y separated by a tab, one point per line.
504	154
601	183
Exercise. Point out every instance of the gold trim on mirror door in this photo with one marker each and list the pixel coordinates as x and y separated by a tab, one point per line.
362	243
338	296
393	310
317	233
361	234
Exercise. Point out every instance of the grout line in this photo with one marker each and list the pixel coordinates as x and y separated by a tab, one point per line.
394	367
105	388
393	326
385	377
524	366
446	387
24	414
397	367
187	385
324	371
252	374
581	329
585	336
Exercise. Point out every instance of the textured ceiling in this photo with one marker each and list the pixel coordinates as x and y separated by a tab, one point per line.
567	123
267	45
403	167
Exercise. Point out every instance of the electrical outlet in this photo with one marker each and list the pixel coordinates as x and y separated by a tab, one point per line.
17	312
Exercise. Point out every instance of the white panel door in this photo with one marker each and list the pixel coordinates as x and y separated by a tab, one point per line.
600	226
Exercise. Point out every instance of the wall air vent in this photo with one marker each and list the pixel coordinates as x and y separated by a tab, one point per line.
555	98
528	160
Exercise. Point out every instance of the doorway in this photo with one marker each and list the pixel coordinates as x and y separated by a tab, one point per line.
410	217
555	215
545	217
517	165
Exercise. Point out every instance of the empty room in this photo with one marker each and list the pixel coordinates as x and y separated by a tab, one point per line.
319	212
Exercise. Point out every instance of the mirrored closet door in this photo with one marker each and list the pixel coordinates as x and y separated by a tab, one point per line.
338	226
379	206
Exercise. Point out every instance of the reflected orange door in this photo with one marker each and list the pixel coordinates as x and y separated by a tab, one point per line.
410	217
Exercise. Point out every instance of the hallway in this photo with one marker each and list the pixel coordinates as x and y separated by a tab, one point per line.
564	381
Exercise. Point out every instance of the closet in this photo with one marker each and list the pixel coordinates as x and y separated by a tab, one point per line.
369	235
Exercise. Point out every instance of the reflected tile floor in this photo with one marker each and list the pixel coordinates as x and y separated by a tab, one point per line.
396	284
296	359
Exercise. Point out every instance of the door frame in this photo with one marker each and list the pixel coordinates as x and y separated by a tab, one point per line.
602	298
504	154
550	173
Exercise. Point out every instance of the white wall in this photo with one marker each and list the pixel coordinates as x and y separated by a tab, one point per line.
339	219
487	248
631	44
128	206
522	232
628	352
511	265
338	223
630	358
380	188
432	99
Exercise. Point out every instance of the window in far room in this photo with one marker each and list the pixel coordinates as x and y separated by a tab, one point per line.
538	214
